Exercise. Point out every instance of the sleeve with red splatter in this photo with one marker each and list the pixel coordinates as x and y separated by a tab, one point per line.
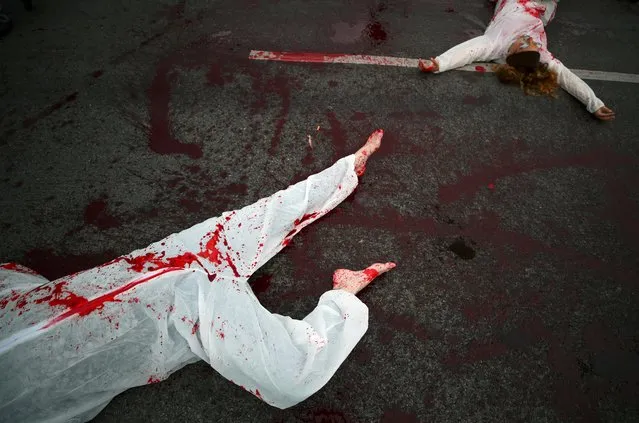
478	49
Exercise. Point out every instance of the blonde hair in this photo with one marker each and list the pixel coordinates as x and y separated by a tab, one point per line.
541	81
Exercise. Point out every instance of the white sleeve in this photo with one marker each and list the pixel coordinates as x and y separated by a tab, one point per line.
474	50
575	86
281	360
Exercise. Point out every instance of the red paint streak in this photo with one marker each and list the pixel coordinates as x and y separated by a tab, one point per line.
506	165
306	218
153	380
138	264
49	110
480	69
288	56
10	266
261	284
58	297
211	252
257	394
232	265
85	308
161	139
196	326
95	214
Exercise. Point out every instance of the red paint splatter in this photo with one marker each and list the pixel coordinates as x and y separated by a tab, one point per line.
480	69
491	186
211	252
161	139
450	10
305	218
535	10
220	333
257	394
153	379
140	263
96	214
371	274
67	100
196	326
87	307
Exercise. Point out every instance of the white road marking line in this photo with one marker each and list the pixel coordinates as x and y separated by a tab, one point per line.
361	59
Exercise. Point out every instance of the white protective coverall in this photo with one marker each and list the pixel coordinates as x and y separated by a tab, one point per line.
68	346
512	19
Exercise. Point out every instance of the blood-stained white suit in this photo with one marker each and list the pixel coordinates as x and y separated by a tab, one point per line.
68	346
513	19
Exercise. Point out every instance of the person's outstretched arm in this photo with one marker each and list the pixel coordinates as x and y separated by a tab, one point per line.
281	360
580	90
474	50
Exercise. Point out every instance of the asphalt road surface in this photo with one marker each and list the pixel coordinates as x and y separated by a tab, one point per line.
513	220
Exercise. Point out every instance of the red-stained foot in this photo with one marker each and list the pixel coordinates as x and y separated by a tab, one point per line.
371	146
354	281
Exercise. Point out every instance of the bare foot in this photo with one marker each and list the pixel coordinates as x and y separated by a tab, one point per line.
371	146
354	281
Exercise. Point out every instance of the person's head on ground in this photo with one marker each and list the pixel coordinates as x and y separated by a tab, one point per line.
524	68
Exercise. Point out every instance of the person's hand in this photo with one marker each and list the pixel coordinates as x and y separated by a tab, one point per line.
429	65
605	113
354	281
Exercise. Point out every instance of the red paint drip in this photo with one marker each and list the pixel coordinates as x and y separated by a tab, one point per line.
87	307
305	218
211	253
